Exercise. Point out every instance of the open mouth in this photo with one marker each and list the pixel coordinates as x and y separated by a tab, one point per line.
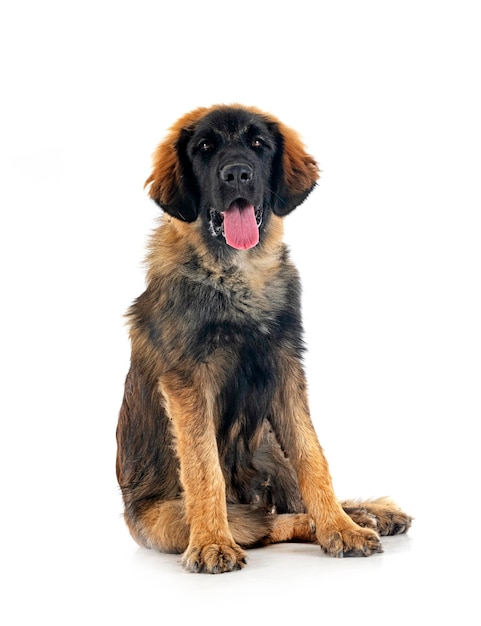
239	224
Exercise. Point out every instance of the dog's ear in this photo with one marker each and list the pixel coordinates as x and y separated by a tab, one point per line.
295	172
172	182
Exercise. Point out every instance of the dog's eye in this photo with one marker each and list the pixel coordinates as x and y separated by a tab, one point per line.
257	142
205	146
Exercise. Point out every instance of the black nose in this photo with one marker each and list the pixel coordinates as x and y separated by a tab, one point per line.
235	174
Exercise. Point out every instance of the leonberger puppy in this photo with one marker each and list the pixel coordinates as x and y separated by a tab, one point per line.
216	448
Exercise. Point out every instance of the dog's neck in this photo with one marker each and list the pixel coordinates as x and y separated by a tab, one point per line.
175	244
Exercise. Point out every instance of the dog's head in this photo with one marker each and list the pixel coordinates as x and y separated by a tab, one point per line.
231	166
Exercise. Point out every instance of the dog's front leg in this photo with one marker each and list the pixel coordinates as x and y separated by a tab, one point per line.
337	534
191	408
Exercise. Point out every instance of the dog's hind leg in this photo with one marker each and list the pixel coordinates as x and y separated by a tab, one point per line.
298	527
381	515
160	525
253	527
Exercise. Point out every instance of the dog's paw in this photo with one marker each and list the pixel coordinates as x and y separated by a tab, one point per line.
349	541
391	520
382	515
214	558
362	516
393	523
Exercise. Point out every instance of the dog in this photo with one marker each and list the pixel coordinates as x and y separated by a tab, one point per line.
216	450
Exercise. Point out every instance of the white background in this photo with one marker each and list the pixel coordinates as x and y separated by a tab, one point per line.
387	97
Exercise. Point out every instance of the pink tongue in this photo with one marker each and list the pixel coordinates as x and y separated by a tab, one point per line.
240	227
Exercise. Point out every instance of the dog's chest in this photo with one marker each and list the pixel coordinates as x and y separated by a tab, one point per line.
202	307
247	298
